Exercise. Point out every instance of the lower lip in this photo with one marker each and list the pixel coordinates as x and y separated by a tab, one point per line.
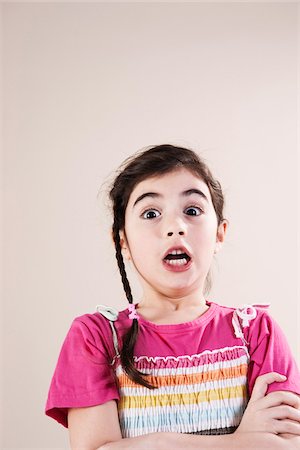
175	268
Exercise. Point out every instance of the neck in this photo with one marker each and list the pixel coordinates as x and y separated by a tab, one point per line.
171	304
161	308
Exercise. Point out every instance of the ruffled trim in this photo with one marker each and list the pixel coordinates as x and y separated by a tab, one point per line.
205	357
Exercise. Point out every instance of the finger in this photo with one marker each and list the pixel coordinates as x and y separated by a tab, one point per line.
277	398
287	426
284	412
262	382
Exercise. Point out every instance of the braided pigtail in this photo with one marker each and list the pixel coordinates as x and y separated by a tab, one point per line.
130	337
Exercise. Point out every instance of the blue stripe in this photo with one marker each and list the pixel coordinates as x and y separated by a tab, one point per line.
199	418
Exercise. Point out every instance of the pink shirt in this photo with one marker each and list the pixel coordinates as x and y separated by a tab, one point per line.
204	372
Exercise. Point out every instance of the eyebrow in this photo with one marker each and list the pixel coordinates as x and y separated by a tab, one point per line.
183	194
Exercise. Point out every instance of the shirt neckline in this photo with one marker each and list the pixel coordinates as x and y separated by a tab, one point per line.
201	320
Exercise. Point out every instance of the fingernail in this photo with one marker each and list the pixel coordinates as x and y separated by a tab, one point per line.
283	376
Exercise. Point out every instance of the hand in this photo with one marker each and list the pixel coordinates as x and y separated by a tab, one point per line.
275	413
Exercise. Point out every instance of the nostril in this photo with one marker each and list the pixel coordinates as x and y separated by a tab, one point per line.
170	233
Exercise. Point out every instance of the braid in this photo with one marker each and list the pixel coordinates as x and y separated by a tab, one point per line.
130	337
121	264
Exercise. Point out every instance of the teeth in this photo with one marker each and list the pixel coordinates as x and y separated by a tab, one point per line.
176	262
176	252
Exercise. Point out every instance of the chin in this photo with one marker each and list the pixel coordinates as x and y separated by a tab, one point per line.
178	290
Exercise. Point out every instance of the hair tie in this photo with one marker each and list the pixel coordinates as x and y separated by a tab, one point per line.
133	314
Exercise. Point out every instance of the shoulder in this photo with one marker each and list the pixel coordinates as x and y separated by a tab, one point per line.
90	324
262	323
246	319
100	318
260	308
242	311
90	333
97	325
257	324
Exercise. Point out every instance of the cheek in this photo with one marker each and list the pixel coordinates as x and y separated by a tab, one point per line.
141	247
143	250
137	241
205	236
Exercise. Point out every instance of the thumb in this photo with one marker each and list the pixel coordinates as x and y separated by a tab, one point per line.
262	382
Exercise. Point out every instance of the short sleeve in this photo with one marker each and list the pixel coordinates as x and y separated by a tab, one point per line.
83	375
270	352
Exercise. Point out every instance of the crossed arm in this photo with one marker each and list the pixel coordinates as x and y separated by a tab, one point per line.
270	421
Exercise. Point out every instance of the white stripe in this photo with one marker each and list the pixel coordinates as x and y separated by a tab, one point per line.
183	388
182	428
190	370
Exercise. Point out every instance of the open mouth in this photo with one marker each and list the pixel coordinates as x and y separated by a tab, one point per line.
177	258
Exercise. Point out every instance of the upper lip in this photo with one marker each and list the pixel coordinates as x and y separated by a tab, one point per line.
180	247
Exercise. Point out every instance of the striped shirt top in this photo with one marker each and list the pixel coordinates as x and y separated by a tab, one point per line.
203	370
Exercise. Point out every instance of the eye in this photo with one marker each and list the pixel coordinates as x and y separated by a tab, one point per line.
193	211
150	214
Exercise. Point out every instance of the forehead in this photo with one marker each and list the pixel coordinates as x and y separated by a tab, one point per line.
174	182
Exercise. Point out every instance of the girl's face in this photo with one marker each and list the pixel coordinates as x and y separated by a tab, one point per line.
171	233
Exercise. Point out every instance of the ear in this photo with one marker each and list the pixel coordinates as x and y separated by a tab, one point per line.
124	245
221	232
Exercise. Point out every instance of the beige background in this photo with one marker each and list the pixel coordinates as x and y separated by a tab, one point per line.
86	85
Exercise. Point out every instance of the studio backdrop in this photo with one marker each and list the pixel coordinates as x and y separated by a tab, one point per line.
84	86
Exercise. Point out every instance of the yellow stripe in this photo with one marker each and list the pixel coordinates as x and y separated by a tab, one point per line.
182	399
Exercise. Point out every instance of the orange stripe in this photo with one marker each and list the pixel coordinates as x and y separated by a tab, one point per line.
193	378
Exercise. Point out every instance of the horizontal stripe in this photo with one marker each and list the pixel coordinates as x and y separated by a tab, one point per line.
185	399
195	368
211	405
176	429
195	378
136	428
183	388
228	415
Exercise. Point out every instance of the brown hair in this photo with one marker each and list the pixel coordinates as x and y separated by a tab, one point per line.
153	161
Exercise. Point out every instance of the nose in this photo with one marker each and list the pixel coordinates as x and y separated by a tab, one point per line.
175	227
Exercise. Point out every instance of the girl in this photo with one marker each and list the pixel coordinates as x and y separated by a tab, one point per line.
175	368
